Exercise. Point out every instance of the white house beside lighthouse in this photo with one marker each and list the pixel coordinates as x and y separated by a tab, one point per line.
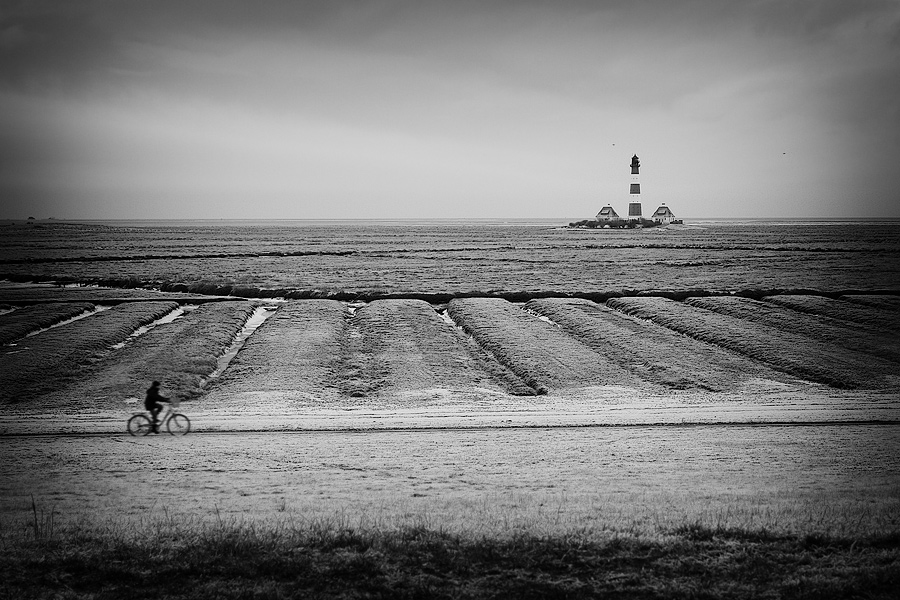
664	215
607	214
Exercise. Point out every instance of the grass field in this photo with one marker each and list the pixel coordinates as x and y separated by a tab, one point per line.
788	351
445	410
857	313
539	353
16	324
454	258
312	353
881	344
656	354
880	301
47	360
404	347
182	352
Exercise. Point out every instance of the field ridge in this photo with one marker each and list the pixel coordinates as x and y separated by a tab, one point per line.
833	365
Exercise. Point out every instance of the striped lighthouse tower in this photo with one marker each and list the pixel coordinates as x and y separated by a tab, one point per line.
634	202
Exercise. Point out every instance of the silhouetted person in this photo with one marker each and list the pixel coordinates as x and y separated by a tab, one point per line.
153	403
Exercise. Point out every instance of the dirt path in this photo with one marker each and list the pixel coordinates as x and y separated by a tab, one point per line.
624	478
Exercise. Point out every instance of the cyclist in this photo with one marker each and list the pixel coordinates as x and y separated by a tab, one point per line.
153	404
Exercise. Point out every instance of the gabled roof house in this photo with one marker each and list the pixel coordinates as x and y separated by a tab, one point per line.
663	215
607	213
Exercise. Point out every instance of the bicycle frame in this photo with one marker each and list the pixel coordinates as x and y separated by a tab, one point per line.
167	411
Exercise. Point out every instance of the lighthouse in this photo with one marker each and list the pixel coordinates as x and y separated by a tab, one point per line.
634	201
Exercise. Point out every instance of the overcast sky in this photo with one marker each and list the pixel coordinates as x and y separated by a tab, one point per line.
454	109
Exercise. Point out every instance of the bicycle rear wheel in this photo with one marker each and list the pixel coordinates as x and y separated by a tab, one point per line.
178	424
139	425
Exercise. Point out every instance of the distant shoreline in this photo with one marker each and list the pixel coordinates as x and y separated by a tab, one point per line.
518	222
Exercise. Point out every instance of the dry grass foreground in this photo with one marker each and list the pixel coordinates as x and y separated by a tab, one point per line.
330	560
739	512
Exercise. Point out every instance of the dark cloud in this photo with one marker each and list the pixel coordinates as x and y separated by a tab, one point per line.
81	42
52	43
823	20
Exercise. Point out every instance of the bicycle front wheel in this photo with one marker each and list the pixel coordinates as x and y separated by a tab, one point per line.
178	424
139	425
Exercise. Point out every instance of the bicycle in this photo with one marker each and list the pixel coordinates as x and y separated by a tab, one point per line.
176	423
